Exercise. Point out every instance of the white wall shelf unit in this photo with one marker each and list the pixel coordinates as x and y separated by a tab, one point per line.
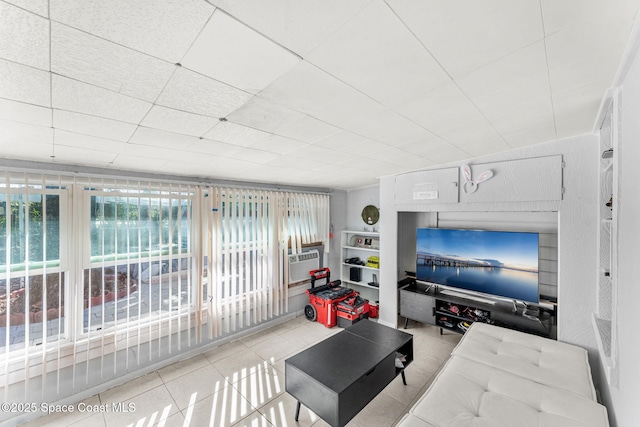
605	319
360	244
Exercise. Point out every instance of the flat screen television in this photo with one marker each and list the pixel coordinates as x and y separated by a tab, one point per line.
490	262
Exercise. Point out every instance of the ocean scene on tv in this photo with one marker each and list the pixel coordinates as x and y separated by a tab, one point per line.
491	262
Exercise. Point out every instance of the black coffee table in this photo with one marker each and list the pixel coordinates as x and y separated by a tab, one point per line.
339	376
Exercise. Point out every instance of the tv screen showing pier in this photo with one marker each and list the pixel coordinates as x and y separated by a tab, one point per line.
500	263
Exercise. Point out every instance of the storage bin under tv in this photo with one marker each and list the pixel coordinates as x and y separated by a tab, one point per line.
455	311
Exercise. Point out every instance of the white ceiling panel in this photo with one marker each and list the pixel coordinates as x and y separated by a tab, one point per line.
341	141
231	52
81	97
138	163
25	150
448	153
92	125
17	133
486	147
471	133
523	117
24	37
39	7
440	109
25	113
195	93
236	134
307	129
108	65
298	25
161	28
530	137
256	156
385	86
388	127
378	55
24	84
177	121
217	148
305	88
466	35
160	138
278	144
84	156
512	70
264	115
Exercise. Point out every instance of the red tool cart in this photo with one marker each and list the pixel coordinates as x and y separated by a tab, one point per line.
332	304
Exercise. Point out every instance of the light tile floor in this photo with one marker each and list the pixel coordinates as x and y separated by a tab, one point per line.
242	384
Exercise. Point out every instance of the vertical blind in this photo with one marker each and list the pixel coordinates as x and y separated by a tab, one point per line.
100	276
250	235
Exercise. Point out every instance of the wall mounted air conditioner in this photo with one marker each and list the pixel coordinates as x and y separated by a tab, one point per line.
301	264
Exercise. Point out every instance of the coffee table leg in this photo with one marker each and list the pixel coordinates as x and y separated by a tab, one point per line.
298	408
404	381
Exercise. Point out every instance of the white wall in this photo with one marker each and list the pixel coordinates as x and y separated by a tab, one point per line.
622	400
356	200
576	232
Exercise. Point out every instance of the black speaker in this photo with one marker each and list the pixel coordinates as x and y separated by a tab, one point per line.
355	274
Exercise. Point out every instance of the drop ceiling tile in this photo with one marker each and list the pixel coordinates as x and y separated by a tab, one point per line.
233	133
576	109
24	37
512	70
559	16
136	163
464	36
484	148
261	114
470	133
349	107
447	153
312	154
73	139
423	147
440	109
19	149
523	117
278	144
177	121
160	138
25	113
288	163
363	146
195	93
161	28
94	126
530	137
395	156
24	84
39	7
208	146
83	156
150	151
231	52
343	140
598	67
505	98
378	55
256	156
307	129
300	26
81	97
102	63
388	127
18	133
305	88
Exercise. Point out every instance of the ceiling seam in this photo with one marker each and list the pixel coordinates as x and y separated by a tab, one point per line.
546	59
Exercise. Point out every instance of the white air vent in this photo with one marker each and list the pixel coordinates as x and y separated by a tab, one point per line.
301	264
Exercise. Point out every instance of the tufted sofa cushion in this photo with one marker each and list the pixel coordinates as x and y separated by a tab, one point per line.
552	363
471	394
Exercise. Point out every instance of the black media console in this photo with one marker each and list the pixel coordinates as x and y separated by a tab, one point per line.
454	311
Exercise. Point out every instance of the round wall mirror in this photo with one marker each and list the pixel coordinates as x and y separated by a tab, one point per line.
370	215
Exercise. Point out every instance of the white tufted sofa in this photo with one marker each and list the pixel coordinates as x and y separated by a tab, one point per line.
498	377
